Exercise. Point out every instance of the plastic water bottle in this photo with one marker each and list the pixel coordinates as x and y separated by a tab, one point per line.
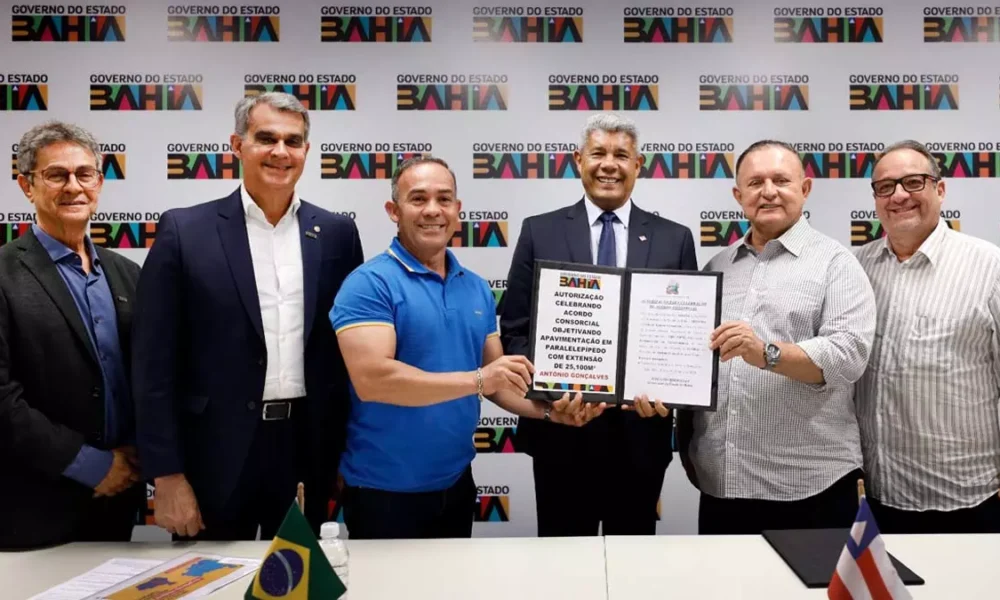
335	550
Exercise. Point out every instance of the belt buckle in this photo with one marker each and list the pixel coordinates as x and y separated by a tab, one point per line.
269	415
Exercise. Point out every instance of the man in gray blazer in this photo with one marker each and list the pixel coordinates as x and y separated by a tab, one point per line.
68	470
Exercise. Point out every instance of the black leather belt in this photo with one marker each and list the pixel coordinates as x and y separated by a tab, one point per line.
277	410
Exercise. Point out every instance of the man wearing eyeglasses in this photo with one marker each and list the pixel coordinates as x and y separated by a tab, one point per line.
928	402
240	388
69	468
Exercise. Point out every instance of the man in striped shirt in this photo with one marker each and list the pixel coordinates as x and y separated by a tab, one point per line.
928	403
782	450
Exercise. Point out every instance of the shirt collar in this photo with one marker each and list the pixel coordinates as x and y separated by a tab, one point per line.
251	210
58	251
794	240
931	248
411	264
594	212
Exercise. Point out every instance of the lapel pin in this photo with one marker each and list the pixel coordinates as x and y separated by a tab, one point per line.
123	299
311	235
316	228
642	238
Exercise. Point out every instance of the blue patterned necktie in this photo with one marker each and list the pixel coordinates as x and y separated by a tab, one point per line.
606	254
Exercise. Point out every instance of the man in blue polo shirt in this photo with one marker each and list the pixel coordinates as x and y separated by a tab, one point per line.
418	334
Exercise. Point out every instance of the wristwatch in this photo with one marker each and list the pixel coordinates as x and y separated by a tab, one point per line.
772	354
547	413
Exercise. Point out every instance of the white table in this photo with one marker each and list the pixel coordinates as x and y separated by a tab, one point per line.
481	568
707	567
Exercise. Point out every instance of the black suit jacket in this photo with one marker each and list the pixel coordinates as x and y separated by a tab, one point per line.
200	359
51	391
564	235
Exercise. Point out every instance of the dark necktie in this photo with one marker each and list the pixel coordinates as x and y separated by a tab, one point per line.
606	254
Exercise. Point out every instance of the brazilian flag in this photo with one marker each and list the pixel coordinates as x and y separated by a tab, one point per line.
295	567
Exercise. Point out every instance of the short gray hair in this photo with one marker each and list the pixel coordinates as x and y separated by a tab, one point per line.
760	145
610	123
277	100
411	162
53	132
916	147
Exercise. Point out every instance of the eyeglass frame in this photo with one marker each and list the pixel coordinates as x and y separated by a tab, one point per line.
100	176
898	182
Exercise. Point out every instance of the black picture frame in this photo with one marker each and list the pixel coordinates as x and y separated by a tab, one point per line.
623	305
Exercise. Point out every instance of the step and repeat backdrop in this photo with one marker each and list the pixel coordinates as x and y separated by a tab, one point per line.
502	91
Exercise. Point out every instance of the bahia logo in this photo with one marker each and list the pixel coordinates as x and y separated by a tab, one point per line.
685	160
202	161
829	25
145	91
335	511
492	504
496	435
481	229
24	91
17	225
678	25
527	24
67	23
124	230
376	24
534	160
458	91
961	24
906	91
112	161
865	226
499	288
367	160
223	23
838	160
316	91
753	92
966	159
609	91
725	227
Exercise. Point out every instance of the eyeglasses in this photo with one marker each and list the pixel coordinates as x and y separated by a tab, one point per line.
57	177
911	183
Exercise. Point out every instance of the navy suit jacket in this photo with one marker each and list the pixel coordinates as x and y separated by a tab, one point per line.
200	360
564	235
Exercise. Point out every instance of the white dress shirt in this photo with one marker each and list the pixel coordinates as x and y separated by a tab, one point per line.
771	437
620	227
276	252
929	403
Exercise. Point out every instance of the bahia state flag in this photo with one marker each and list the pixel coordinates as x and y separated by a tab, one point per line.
295	567
865	571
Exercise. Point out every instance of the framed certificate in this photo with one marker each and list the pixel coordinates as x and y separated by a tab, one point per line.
613	334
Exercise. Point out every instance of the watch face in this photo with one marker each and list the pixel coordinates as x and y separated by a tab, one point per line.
773	352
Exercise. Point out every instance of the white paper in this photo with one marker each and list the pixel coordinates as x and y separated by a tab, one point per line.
110	573
671	318
576	331
171	572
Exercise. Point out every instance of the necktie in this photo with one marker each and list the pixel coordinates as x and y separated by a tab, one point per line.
606	254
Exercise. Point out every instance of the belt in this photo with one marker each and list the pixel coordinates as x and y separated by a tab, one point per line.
277	410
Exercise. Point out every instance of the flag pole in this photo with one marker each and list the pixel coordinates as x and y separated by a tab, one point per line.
861	490
301	497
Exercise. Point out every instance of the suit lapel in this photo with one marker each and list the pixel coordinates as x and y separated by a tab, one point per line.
40	264
119	293
640	238
578	235
311	258
232	229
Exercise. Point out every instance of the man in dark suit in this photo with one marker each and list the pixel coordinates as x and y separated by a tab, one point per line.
240	388
68	470
616	463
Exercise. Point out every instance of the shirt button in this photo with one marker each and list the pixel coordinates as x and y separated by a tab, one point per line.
251	405
730	445
733	412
